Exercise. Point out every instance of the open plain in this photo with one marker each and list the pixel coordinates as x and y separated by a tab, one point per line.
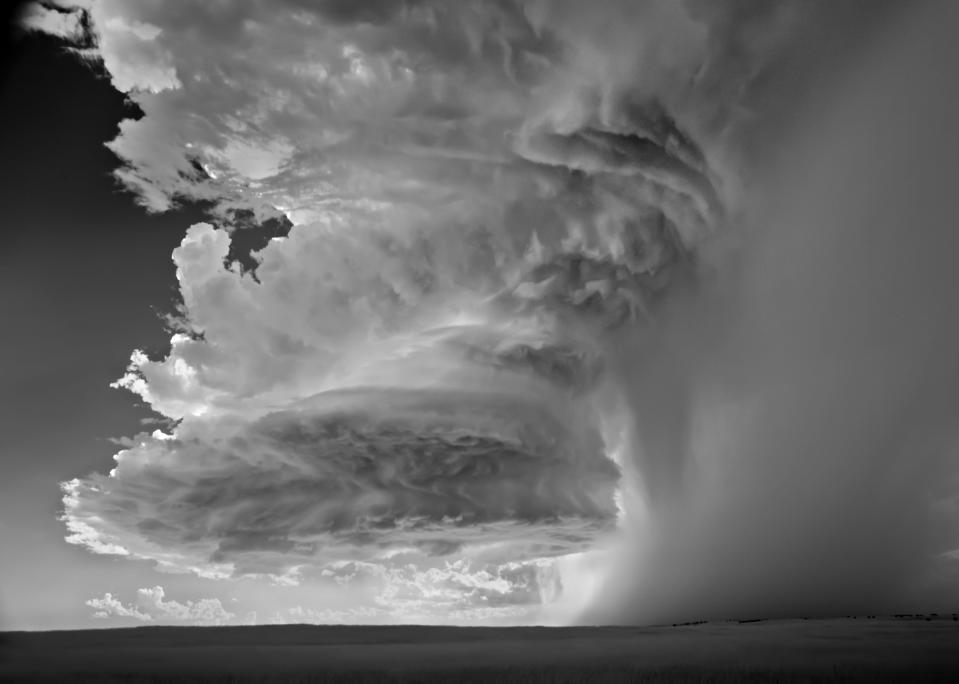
909	648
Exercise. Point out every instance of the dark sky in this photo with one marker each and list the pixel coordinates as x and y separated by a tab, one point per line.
83	271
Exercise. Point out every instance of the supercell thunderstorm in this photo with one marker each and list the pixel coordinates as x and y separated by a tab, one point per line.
481	203
414	365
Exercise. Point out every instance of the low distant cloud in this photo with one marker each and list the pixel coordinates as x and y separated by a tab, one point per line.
457	588
437	592
452	592
152	606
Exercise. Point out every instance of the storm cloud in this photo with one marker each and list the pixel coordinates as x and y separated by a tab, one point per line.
502	323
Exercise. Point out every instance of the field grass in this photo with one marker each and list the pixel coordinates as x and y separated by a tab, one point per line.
901	649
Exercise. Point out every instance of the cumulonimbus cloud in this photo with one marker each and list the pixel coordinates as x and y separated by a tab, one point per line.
475	196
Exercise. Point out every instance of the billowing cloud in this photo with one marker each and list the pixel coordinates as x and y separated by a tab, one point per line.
474	327
354	472
152	606
47	19
412	367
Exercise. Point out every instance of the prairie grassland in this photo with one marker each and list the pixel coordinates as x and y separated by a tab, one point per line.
903	649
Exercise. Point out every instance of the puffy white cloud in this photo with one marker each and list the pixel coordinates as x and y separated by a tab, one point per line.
150	606
108	606
65	24
132	54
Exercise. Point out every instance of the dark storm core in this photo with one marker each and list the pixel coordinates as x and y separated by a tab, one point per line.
798	418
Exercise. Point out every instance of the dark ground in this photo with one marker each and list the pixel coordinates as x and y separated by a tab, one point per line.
904	649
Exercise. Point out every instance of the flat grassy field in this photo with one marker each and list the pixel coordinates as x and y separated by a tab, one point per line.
901	649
